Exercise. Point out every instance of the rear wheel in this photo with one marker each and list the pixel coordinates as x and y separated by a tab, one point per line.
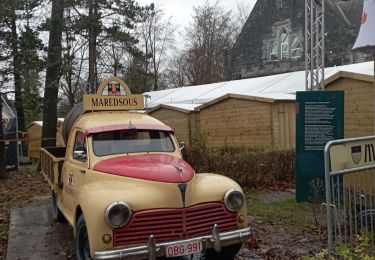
82	240
56	213
227	253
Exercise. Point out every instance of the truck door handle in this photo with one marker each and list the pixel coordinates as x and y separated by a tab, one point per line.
82	171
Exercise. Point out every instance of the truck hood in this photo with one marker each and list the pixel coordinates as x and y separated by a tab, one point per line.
153	167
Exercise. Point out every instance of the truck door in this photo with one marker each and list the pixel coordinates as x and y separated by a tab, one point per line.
76	168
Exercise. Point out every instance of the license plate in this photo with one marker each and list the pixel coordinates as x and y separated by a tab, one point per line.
186	248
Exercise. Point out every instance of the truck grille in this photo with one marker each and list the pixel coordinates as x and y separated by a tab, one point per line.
175	224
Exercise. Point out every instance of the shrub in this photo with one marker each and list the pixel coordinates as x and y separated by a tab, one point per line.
249	167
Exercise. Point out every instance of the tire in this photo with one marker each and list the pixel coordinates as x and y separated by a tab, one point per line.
227	253
56	213
82	240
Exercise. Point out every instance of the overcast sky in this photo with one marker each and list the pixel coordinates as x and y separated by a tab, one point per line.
182	10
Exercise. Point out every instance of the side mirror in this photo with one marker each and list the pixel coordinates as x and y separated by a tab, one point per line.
182	146
80	155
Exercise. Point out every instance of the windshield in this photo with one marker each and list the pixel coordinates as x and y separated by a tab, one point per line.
131	141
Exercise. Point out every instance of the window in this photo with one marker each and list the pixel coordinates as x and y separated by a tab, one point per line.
274	51
296	48
279	4
284	43
277	46
80	148
131	141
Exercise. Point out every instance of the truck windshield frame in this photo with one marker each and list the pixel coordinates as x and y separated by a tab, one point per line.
131	141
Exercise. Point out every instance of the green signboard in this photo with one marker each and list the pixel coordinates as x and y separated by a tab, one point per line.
319	119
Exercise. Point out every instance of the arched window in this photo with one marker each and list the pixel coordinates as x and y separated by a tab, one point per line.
296	47
274	51
284	43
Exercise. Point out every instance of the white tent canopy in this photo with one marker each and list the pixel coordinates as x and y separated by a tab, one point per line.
277	87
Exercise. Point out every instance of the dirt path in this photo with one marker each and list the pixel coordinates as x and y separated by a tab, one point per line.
33	234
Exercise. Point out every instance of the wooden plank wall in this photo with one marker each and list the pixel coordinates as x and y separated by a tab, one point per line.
359	106
178	121
284	124
34	137
34	134
195	125
237	122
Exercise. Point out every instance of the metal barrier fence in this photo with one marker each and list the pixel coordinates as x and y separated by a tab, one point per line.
350	191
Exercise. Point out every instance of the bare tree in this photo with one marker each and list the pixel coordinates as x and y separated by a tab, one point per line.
74	52
175	74
210	34
73	86
157	38
243	11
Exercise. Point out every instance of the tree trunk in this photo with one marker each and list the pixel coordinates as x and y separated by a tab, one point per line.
53	74
16	70
93	32
2	143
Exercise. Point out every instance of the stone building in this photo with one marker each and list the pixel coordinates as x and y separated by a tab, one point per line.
272	40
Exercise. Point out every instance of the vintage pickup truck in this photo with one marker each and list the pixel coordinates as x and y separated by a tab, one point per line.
122	184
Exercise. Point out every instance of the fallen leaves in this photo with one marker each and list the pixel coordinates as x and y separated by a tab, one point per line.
252	243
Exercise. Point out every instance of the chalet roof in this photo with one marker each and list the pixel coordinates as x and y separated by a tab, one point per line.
40	123
245	97
275	87
349	75
184	108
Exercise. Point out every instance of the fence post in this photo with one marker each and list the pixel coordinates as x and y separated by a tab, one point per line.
327	169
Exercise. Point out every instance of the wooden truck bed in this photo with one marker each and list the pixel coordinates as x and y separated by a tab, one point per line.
52	159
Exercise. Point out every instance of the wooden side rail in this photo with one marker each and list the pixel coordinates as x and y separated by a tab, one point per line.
51	165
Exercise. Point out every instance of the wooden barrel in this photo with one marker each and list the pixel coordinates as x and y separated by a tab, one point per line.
70	119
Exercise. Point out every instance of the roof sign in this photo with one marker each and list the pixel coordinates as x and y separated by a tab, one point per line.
113	94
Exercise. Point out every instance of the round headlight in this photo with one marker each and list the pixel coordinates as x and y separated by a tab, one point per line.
117	214
233	200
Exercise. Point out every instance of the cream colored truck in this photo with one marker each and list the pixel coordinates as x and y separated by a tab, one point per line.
123	186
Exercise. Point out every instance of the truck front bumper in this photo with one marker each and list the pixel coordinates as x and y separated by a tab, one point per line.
152	250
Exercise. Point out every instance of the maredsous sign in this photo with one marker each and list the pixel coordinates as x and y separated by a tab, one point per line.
352	155
113	94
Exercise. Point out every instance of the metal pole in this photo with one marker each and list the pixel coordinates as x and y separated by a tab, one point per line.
312	47
327	169
307	51
323	41
314	44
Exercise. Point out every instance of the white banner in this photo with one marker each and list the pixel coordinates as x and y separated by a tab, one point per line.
366	36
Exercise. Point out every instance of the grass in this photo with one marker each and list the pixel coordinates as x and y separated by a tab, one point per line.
282	211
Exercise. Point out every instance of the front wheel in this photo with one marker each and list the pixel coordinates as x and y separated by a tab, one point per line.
56	213
227	253
82	240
